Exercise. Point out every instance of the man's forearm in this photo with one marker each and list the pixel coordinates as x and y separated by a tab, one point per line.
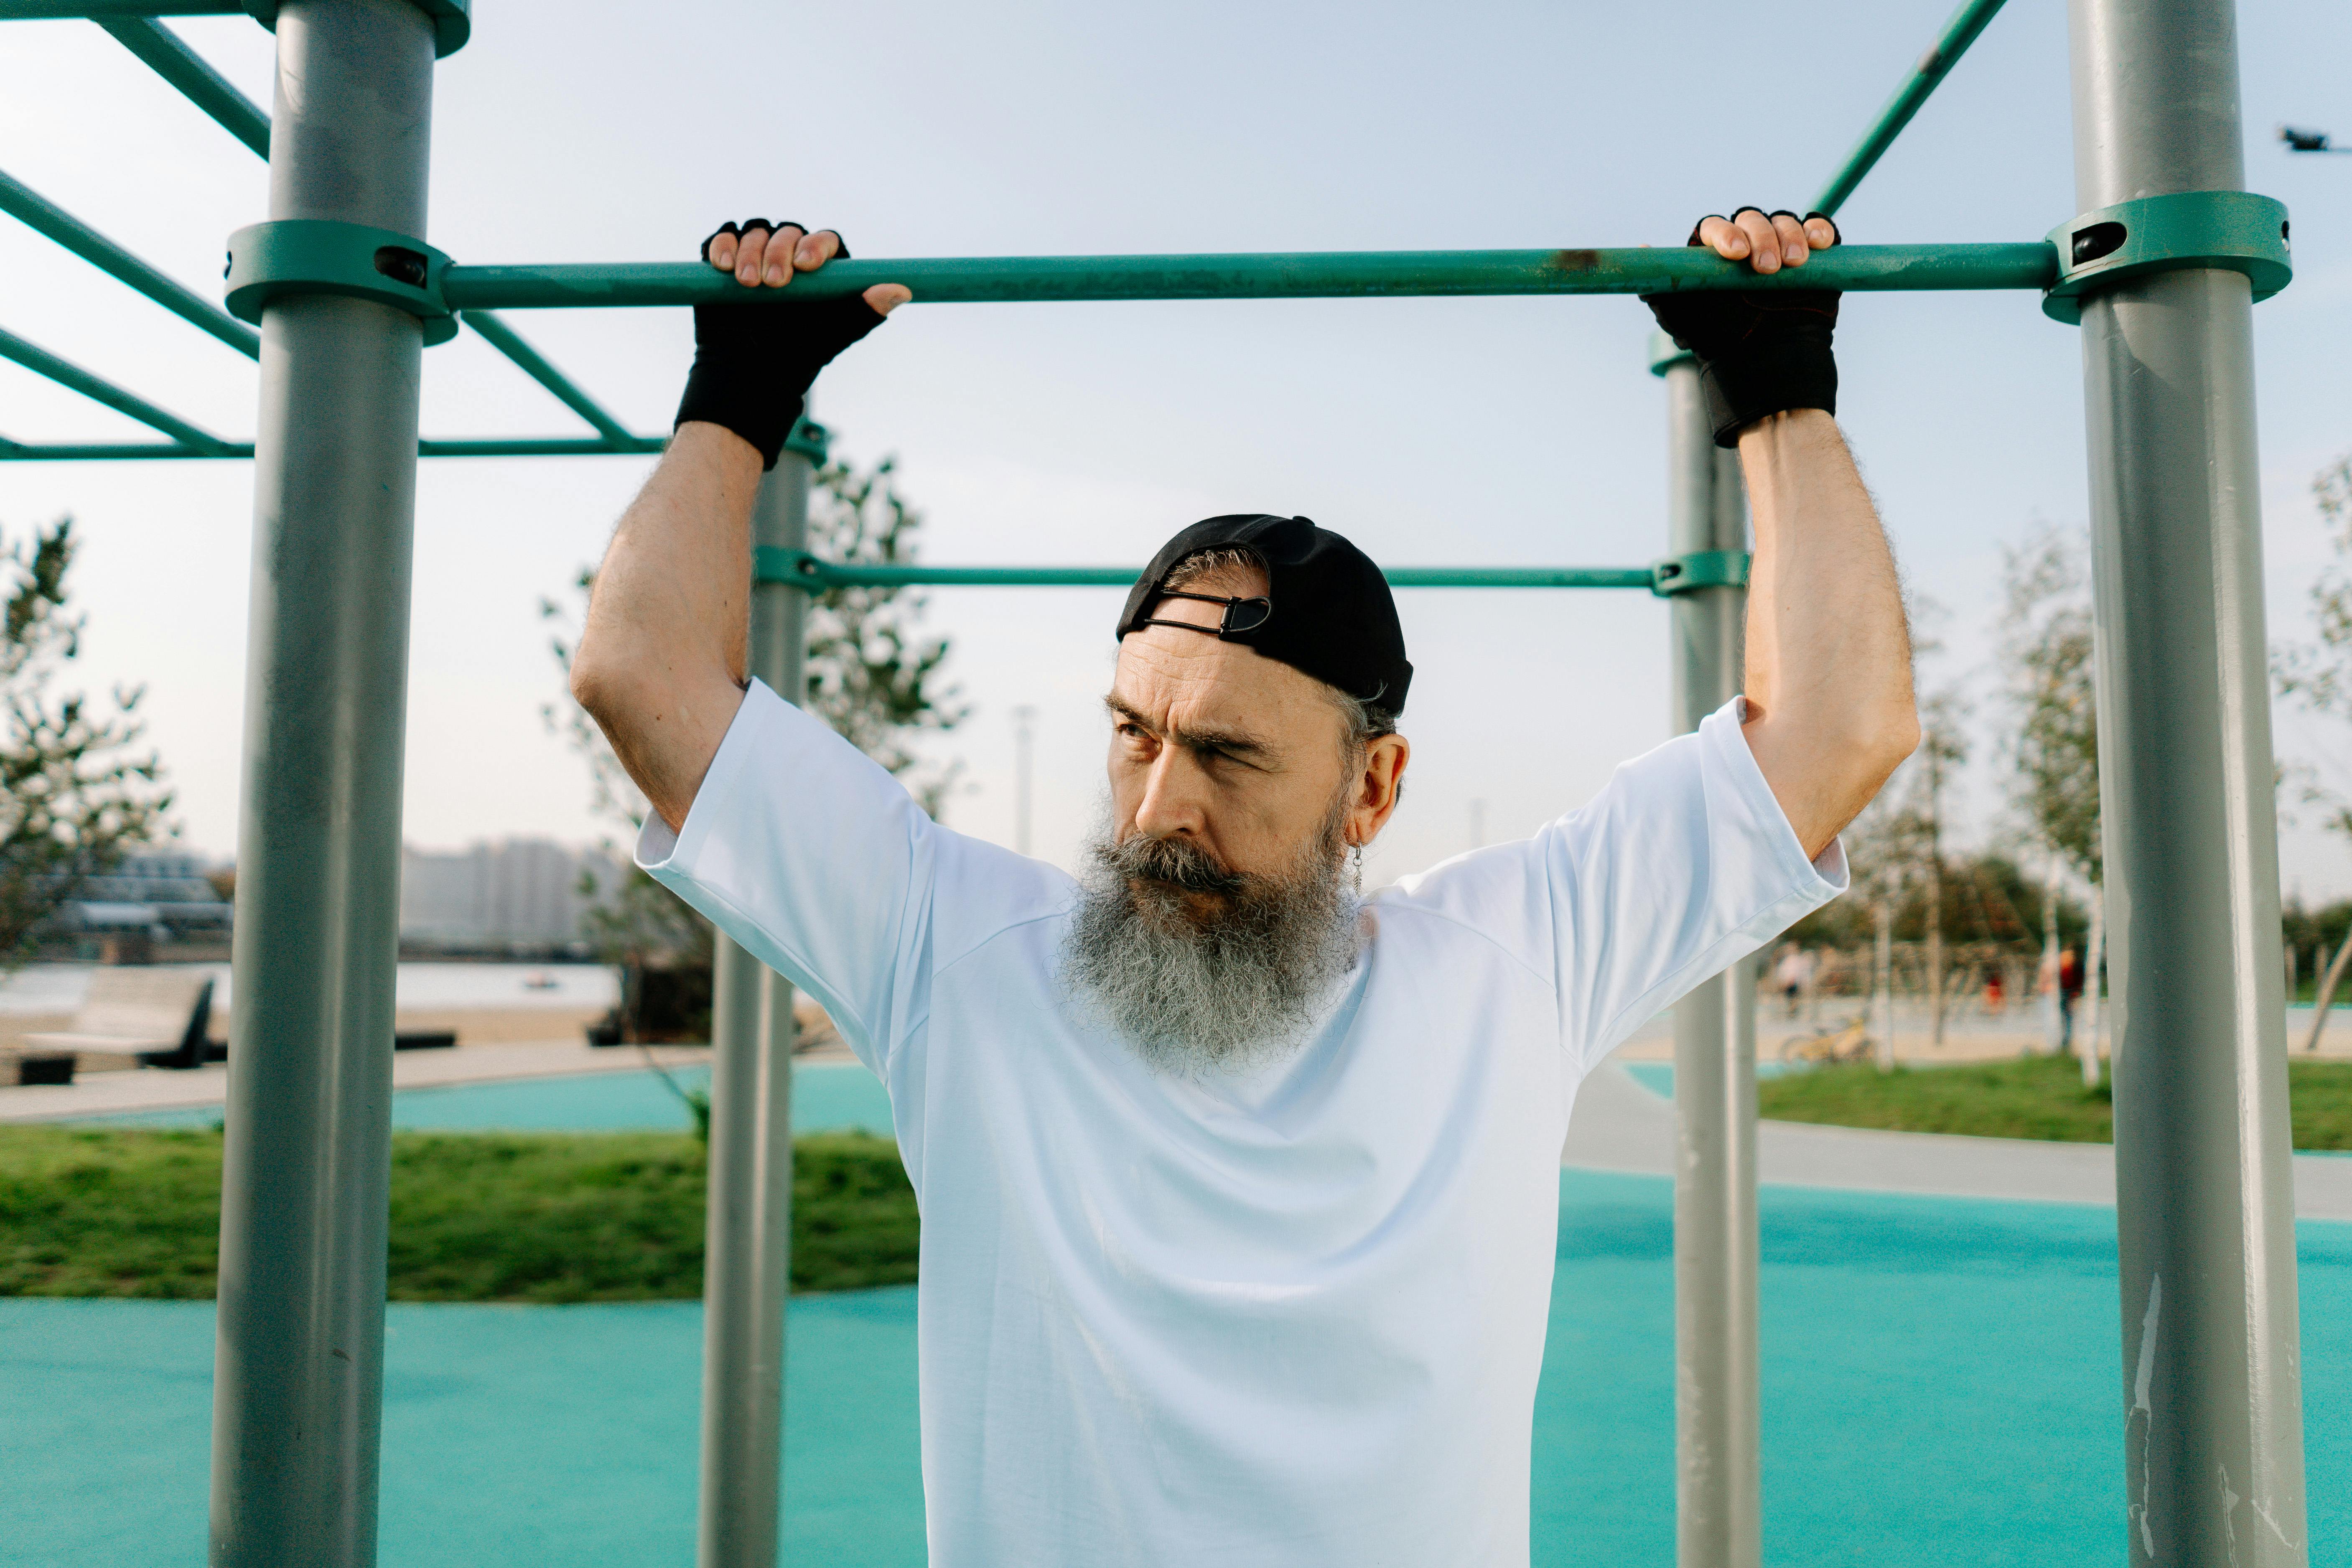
660	664
1829	656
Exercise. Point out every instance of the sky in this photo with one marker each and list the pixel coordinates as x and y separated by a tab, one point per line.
1430	431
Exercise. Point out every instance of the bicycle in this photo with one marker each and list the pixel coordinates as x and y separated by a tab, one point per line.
1827	1047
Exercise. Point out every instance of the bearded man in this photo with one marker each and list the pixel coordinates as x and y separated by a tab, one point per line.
1240	1190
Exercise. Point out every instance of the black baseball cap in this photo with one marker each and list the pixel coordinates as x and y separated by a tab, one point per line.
1327	609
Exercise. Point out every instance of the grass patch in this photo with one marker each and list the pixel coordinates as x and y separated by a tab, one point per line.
476	1216
2025	1097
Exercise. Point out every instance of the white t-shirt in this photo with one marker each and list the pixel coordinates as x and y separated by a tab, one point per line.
1290	1319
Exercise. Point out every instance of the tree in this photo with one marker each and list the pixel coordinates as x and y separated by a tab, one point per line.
1881	849
1934	768
73	797
872	675
2318	674
2048	655
1912	831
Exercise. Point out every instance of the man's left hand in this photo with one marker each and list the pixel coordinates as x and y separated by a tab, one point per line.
1773	239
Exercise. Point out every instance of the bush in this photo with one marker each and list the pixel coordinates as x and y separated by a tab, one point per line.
496	1216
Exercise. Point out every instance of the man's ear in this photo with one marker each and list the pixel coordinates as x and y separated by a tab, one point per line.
1379	785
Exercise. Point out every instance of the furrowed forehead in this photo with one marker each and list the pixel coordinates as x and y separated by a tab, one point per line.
1183	683
1174	727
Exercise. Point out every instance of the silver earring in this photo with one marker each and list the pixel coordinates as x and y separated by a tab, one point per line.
1360	867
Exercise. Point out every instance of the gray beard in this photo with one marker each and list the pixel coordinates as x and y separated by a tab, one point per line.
1226	991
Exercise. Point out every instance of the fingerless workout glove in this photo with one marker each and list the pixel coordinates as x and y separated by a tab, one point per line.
1760	352
754	363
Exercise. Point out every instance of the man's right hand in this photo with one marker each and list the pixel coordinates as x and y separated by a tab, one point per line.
1765	352
752	363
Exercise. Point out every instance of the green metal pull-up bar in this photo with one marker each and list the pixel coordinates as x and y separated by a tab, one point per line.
962	281
2204	1187
1674	575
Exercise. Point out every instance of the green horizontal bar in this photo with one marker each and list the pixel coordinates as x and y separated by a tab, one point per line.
798	567
1930	70
242	118
96	10
506	447
40	362
803	570
1519	576
184	69
542	447
109	451
37	211
502	337
973	279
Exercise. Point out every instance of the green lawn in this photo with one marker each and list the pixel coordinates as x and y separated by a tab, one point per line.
476	1216
2028	1097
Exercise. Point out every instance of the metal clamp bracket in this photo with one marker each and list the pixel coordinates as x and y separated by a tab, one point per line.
792	568
453	21
1665	354
2233	231
810	439
1699	569
318	256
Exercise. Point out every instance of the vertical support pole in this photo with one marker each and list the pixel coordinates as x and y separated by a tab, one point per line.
1024	742
299	1367
747	1275
1718	1493
2212	1402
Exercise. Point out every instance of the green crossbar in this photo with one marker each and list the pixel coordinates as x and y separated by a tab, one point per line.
192	442
534	364
99	10
242	119
184	69
1269	275
474	291
492	446
1675	575
37	212
1932	67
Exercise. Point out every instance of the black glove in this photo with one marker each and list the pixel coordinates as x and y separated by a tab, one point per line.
1759	352
754	363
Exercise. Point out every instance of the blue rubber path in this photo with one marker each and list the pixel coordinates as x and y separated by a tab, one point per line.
1942	1384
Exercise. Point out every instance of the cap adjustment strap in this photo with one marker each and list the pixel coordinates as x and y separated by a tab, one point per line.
1256	613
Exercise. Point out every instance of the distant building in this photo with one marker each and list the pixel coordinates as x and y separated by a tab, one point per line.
521	892
164	896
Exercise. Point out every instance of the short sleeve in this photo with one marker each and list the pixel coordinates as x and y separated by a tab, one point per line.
1682	865
814	858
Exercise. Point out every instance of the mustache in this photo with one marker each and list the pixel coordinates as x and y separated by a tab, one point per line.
1172	862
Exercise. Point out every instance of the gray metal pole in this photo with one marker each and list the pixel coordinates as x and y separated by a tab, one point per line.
1717	1494
299	1372
2213	1433
747	1275
1024	740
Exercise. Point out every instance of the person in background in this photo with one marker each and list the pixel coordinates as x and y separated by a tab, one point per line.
2070	990
1792	974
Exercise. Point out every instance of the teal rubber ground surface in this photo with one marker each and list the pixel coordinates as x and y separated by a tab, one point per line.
827	1097
1942	1385
1658	1077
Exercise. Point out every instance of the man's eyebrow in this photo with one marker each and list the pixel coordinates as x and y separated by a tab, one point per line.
1233	742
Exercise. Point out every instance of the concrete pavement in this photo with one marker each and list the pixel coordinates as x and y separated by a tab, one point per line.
1619	1125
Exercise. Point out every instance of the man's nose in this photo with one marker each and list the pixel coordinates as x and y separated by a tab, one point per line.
1172	801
